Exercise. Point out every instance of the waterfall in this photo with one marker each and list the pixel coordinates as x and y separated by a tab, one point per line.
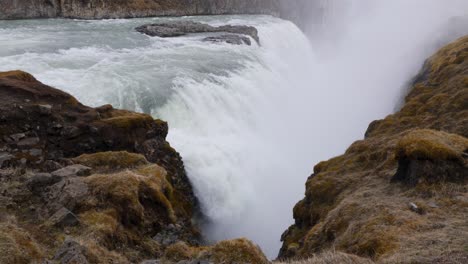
249	121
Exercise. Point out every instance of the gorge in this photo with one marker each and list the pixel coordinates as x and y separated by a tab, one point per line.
250	122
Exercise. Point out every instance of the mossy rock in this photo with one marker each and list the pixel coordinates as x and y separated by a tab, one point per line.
18	75
112	160
426	144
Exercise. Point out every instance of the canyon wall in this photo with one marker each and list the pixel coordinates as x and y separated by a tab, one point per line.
100	9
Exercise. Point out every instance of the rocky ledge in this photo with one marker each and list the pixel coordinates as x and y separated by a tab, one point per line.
400	195
94	185
237	34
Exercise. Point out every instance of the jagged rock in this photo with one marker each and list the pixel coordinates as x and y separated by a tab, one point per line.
180	28
62	218
231	39
67	193
71	252
40	181
73	170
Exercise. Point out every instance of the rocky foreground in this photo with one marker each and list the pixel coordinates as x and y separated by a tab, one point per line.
94	185
400	195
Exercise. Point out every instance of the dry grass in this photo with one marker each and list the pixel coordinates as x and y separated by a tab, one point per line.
125	190
112	160
17	245
431	144
330	257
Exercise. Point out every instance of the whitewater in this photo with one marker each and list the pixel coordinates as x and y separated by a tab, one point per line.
249	121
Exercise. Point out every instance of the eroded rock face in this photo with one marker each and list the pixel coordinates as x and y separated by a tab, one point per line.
180	28
98	9
358	202
106	178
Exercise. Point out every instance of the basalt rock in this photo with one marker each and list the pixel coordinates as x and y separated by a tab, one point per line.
180	28
99	9
403	185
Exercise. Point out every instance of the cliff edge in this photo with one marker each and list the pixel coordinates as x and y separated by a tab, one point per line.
399	195
102	9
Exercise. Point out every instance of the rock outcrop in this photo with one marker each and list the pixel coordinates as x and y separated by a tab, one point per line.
94	185
238	34
401	193
99	9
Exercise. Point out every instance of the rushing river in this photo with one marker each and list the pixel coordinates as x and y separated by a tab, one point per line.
249	121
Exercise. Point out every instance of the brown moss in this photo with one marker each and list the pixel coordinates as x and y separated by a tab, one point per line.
18	75
237	251
127	120
180	251
432	145
17	245
126	191
112	160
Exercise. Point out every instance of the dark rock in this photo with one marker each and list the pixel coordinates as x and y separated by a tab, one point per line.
40	181
35	152
50	166
231	39
67	193
180	28
62	218
28	142
72	171
151	261
17	137
71	252
5	157
45	109
413	171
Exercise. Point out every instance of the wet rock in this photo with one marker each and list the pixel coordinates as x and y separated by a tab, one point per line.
62	218
40	181
230	39
71	252
72	171
180	28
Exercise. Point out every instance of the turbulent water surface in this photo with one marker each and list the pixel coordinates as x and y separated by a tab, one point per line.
250	121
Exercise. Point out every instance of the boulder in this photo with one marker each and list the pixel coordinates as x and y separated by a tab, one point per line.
38	182
180	28
63	218
72	171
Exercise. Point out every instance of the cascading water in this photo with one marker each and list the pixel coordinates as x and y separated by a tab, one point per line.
250	122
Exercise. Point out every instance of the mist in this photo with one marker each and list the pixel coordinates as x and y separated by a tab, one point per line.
356	68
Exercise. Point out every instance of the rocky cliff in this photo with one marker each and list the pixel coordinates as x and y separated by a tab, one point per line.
98	9
94	185
400	195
